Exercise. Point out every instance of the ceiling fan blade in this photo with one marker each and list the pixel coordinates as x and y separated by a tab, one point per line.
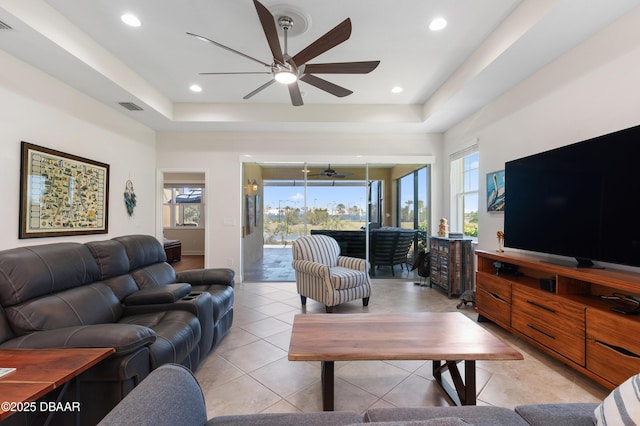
325	85
231	73
334	37
296	96
342	68
229	49
270	31
259	89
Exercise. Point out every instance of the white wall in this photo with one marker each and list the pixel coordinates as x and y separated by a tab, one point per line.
591	91
222	155
38	109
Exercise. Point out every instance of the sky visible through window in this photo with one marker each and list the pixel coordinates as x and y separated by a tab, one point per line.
317	196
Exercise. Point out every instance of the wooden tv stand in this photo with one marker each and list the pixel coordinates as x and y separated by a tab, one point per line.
572	323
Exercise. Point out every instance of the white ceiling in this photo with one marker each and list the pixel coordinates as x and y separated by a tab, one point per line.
488	47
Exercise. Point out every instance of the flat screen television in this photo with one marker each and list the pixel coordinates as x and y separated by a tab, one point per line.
580	200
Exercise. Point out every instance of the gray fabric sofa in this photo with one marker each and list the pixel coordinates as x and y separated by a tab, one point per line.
171	395
117	293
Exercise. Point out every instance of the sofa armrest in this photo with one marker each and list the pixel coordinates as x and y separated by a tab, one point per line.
168	293
312	268
573	414
169	395
207	276
124	338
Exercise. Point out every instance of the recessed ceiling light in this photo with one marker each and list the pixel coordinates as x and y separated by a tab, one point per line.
131	20
195	88
437	24
396	89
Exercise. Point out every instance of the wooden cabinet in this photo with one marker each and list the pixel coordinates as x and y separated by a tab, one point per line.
572	322
613	350
451	265
494	295
555	322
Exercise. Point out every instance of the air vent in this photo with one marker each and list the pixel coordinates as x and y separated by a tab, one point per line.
4	26
130	106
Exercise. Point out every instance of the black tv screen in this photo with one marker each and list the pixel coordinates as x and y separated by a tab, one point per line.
581	200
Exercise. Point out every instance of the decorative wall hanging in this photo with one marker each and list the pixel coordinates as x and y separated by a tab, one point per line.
495	191
61	194
129	197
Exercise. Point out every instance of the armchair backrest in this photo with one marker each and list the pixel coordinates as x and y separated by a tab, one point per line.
317	248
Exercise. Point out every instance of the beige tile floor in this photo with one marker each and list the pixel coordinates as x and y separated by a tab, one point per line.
249	371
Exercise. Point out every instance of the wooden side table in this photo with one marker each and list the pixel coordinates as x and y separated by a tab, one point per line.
39	371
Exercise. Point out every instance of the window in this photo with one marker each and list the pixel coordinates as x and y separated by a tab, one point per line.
413	200
183	206
464	192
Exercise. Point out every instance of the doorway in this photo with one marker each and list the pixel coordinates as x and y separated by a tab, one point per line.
296	198
183	217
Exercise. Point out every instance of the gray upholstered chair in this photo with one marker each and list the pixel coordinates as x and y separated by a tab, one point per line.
325	276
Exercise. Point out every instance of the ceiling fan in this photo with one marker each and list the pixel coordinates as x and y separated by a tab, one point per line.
288	69
331	173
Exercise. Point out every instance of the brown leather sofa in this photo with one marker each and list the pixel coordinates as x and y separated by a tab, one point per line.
117	293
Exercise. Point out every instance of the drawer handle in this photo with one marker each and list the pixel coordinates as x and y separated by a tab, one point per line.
619	349
540	331
541	306
495	296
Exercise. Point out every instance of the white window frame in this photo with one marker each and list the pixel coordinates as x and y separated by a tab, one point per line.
176	218
458	192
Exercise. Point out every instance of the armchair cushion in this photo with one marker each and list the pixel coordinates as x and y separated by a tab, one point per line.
345	278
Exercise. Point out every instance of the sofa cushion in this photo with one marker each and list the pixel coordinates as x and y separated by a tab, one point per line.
476	415
142	250
30	272
576	414
154	275
90	304
622	405
440	421
326	418
110	256
124	338
177	334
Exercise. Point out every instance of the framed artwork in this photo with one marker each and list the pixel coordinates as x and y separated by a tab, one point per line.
61	194
495	191
258	211
251	213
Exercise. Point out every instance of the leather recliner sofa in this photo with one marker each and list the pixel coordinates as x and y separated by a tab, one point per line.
117	293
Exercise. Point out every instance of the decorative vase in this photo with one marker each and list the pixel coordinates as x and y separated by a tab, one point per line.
443	228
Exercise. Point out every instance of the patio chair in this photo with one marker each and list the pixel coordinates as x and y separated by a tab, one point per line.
325	276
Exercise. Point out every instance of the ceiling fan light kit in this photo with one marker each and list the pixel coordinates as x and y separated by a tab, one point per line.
285	77
288	69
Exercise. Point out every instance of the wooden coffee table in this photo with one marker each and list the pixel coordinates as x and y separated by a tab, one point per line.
446	338
39	371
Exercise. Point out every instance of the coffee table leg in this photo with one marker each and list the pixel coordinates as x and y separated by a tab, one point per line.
461	393
327	385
